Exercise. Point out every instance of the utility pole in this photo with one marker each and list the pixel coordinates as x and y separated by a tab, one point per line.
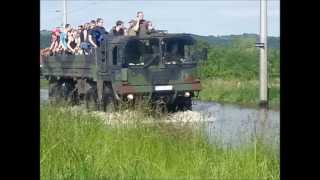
263	55
64	12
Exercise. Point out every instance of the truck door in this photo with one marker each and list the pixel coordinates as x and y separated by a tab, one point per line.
115	63
101	58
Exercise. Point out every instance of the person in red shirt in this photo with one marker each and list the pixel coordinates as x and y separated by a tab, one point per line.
55	39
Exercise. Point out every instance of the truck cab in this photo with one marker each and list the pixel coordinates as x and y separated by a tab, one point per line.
160	66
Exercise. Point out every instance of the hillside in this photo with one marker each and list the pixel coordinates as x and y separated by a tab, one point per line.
226	41
44	39
221	41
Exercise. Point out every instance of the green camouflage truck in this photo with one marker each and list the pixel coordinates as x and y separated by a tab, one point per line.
160	67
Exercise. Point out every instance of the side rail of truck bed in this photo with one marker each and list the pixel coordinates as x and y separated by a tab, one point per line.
72	65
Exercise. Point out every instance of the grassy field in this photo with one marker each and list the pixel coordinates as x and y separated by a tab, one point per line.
231	74
44	84
243	92
82	146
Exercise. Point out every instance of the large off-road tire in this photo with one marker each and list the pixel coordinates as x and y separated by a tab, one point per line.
110	103
70	96
183	104
172	107
91	99
187	105
56	93
160	108
62	93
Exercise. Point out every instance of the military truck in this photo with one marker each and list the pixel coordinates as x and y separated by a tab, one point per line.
159	67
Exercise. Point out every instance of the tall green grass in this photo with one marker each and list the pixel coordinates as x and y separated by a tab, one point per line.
44	84
231	74
81	146
243	92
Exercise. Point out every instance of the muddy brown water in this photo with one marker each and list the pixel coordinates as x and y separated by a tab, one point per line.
232	125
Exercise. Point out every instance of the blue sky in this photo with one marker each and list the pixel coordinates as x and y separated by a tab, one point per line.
215	17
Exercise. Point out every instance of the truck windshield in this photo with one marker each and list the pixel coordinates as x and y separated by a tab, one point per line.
139	52
178	50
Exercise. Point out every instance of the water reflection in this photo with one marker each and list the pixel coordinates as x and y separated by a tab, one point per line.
43	95
234	125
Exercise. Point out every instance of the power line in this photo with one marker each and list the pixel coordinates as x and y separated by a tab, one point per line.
68	13
81	8
65	12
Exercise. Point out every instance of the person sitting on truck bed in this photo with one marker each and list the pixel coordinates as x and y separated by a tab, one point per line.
72	44
64	37
84	44
118	29
78	40
55	39
97	33
45	52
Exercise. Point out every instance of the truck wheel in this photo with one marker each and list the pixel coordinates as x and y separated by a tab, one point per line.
184	104
55	93
109	102
71	97
160	108
187	104
172	107
91	98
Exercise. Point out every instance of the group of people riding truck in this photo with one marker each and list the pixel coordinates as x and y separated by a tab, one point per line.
90	35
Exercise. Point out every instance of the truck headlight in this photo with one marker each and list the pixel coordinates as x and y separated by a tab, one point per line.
186	94
130	96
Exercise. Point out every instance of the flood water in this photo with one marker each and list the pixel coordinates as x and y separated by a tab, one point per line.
43	95
233	125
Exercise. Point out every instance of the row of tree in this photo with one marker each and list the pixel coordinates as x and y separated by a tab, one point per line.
227	40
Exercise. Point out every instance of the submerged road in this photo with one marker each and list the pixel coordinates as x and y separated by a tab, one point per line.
232	125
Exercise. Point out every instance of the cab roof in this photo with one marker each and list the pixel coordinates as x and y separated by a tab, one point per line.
124	39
